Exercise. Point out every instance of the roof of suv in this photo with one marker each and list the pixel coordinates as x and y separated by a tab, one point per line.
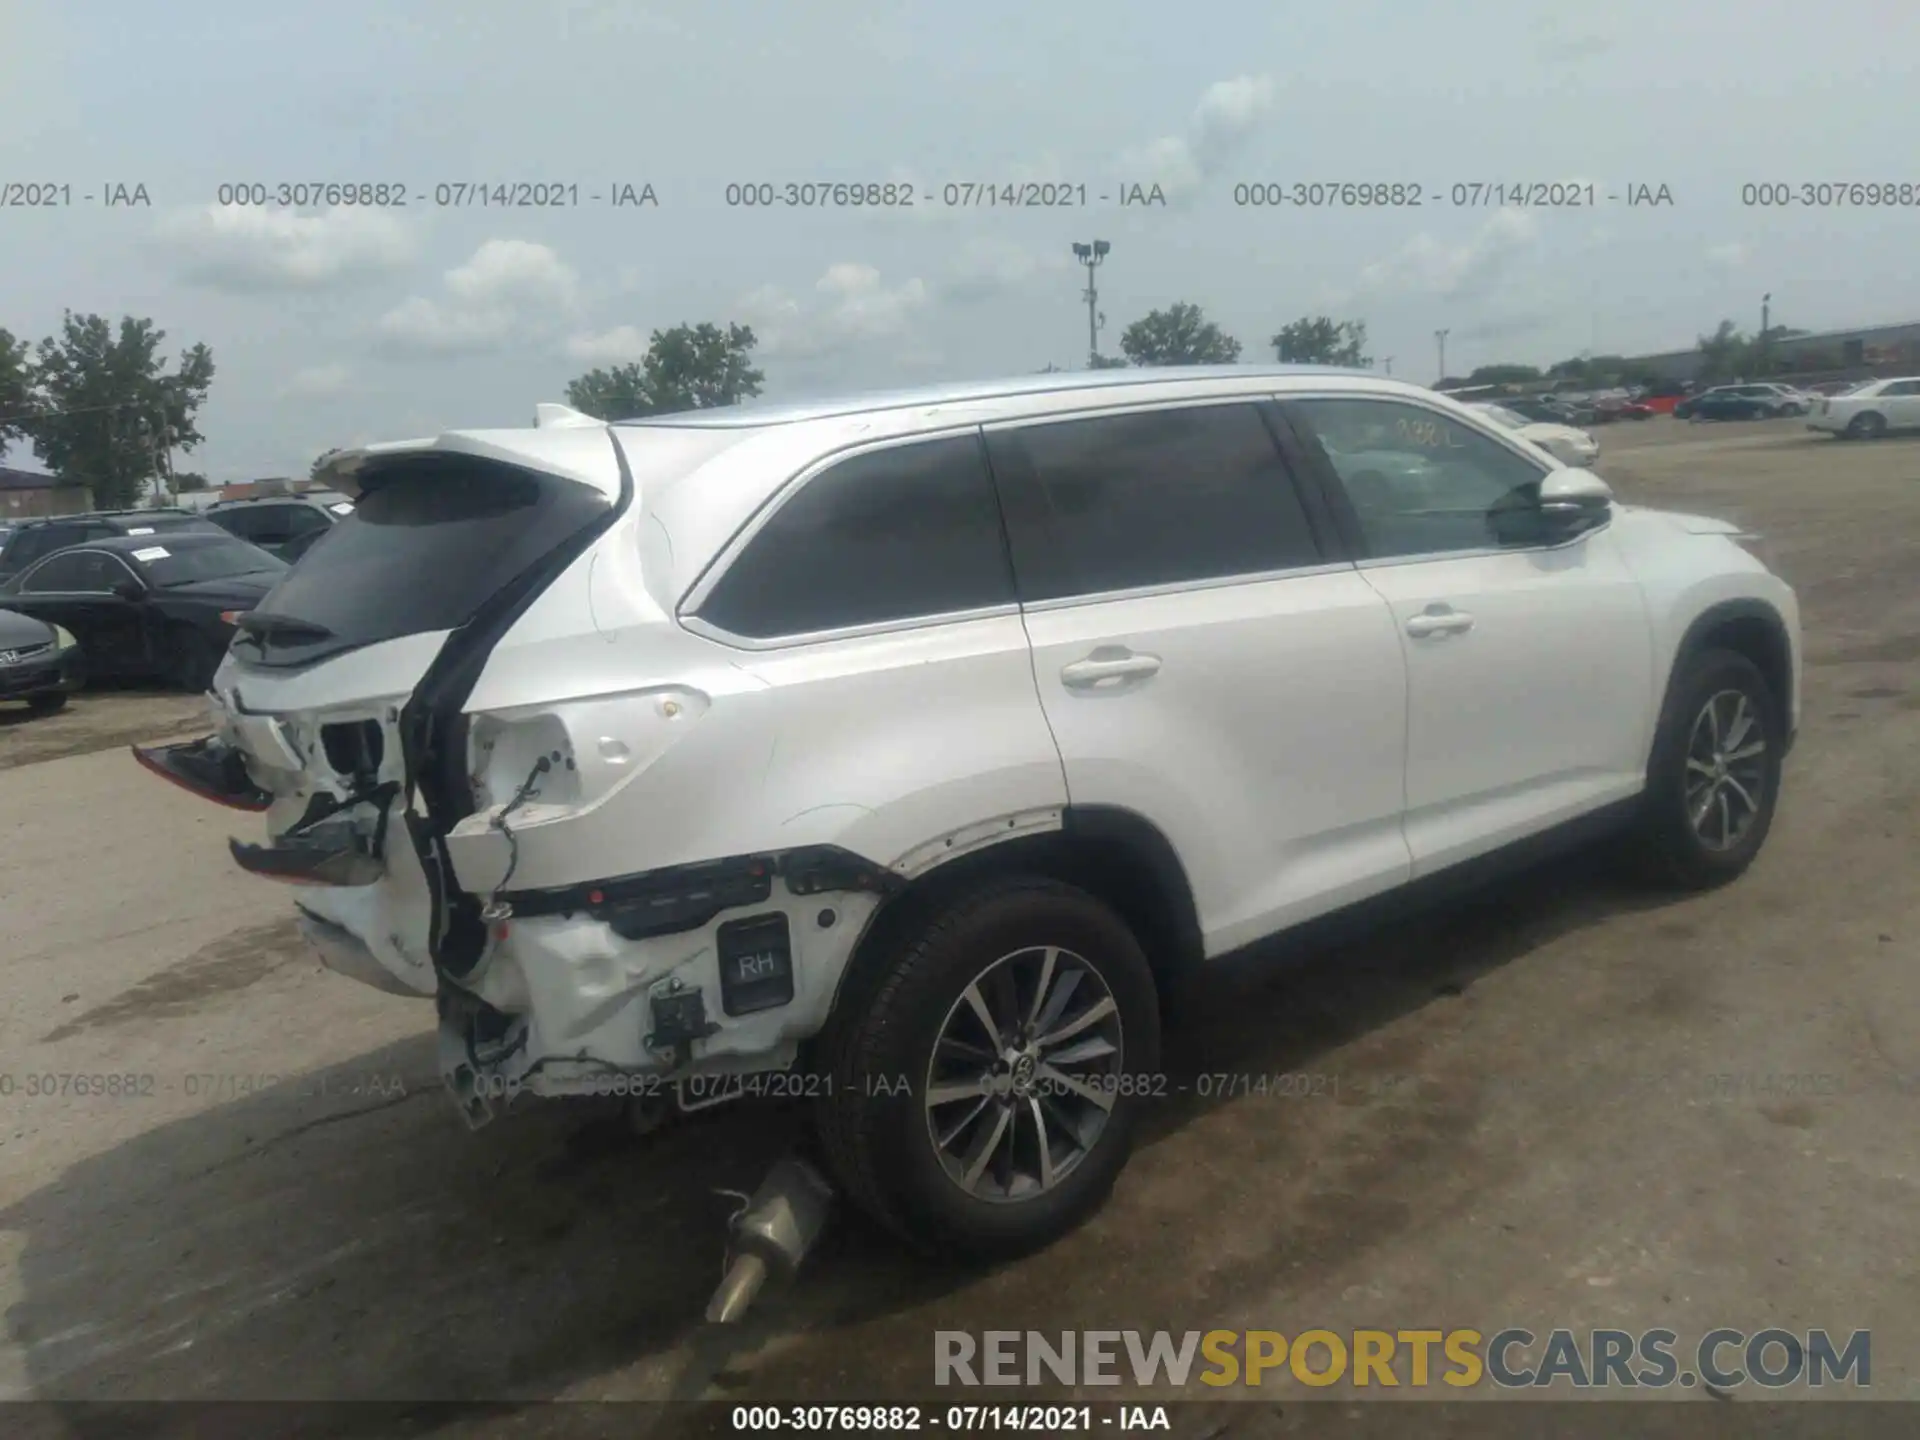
168	515
754	413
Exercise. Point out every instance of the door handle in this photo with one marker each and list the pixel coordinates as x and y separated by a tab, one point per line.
1440	620
1107	664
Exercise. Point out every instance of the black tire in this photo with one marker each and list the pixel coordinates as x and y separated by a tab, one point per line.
195	658
873	1121
1666	845
1867	427
47	704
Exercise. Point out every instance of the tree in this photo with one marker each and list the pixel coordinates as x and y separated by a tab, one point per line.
1106	362
16	388
320	462
109	411
187	480
1725	354
690	367
1178	335
1320	340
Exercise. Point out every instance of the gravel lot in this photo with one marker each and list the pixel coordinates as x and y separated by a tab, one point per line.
1566	1104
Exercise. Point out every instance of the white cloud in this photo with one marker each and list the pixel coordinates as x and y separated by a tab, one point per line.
1472	267
317	380
511	291
1730	256
618	346
1227	114
992	265
251	250
851	306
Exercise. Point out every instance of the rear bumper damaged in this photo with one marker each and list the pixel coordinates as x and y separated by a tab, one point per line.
695	973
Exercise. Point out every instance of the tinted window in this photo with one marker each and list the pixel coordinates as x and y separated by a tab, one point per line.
244	523
1153	498
188	559
302	519
1421	482
432	539
893	534
29	545
87	572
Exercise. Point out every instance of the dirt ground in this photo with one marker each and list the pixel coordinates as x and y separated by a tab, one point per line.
1567	1104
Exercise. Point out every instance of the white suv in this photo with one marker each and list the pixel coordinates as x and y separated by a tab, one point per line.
904	753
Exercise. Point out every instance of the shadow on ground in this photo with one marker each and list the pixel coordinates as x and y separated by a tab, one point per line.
344	1237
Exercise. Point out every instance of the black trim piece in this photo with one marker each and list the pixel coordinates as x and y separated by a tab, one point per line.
433	730
678	898
1327	533
1323	478
336	859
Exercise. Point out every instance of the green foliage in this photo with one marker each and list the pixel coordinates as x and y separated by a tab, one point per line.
1505	375
1321	340
16	387
690	367
110	409
1178	335
1107	362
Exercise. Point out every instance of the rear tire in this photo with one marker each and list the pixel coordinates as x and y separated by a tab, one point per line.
47	704
1714	778
964	1176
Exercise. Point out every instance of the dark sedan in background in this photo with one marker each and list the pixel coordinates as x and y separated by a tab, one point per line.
149	606
39	663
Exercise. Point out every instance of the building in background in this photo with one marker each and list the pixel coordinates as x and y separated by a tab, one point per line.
1856	354
28	494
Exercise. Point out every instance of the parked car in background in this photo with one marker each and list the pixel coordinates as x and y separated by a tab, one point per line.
1620	406
282	525
39	663
1752	401
32	540
149	606
1566	443
1870	410
929	741
1539	409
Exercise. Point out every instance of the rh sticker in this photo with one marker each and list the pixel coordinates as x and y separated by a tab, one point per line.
152	552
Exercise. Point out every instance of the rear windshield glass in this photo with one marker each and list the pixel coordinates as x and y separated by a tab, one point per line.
186	561
425	546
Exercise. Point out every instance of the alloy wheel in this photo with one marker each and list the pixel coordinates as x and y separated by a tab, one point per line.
1726	770
1025	1073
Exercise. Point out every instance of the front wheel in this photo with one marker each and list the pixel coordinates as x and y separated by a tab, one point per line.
984	1093
1714	777
1867	427
48	703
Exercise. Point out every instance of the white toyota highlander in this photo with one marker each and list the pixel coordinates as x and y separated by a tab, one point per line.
905	753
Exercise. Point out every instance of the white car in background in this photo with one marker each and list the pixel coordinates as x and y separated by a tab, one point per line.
1870	410
1566	443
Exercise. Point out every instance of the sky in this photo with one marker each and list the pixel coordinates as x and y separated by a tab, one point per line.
342	326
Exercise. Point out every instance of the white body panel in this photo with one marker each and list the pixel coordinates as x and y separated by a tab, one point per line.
1294	744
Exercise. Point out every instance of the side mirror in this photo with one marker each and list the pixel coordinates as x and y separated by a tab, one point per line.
129	589
1572	502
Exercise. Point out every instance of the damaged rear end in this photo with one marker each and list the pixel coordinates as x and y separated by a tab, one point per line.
433	713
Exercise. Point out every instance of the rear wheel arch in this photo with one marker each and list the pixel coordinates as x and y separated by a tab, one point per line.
1116	855
1752	628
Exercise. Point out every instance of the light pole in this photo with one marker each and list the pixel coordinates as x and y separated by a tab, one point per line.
1440	338
1091	256
1388	362
1766	302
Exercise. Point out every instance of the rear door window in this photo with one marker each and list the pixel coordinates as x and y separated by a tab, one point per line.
909	532
1157	497
432	539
